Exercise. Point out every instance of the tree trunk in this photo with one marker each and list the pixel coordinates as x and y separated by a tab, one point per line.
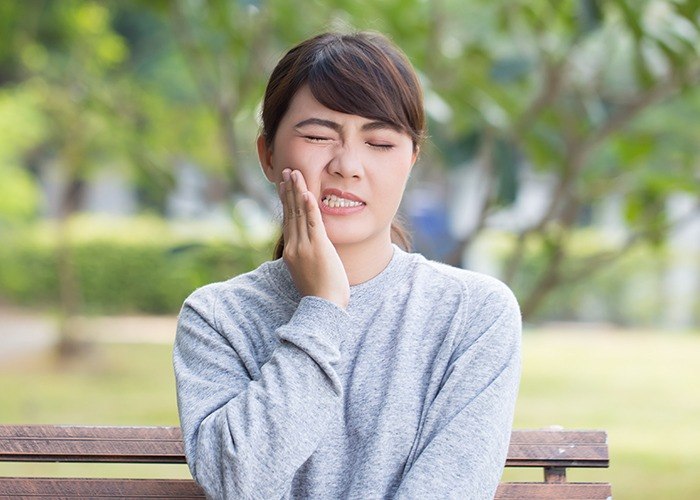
69	296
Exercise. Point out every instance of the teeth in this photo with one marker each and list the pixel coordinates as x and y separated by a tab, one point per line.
334	202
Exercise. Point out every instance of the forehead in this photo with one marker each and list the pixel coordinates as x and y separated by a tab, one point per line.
304	105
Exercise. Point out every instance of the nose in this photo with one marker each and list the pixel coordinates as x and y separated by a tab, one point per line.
346	163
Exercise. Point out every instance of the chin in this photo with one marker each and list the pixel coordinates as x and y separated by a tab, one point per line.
345	239
351	236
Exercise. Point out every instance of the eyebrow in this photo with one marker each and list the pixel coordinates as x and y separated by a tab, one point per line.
373	125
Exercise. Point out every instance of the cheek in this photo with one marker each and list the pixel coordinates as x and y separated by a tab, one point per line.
394	177
310	161
298	156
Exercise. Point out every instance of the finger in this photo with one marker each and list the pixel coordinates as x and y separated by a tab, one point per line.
285	217
312	212
288	191
288	229
314	222
300	211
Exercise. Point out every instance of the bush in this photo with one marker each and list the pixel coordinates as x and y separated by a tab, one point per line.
122	273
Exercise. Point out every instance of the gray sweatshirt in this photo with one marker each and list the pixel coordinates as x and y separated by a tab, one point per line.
409	393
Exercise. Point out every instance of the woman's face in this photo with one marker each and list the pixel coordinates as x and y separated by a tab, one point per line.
356	167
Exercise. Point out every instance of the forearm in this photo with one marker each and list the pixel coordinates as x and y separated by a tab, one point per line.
247	438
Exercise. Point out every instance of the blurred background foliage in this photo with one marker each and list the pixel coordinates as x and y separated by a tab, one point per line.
562	157
559	115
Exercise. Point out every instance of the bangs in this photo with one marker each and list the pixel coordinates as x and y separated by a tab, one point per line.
361	74
363	81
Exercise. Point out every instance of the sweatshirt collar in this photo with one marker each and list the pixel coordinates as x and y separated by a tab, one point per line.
392	275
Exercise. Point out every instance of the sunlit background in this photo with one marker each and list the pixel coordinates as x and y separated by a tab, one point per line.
563	157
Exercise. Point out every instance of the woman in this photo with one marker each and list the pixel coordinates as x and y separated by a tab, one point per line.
346	368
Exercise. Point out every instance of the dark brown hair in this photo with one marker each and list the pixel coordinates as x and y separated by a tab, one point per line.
361	74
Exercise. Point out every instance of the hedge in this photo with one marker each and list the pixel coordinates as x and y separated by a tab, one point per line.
118	276
145	267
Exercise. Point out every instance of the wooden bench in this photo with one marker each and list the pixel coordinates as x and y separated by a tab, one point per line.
553	450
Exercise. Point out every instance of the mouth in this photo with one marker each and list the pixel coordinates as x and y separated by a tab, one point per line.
334	201
337	200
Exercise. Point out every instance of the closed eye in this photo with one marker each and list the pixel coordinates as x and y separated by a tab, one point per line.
380	146
316	138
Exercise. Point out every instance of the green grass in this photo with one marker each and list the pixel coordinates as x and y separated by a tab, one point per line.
643	389
128	384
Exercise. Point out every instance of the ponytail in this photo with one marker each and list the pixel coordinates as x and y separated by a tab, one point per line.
279	248
400	235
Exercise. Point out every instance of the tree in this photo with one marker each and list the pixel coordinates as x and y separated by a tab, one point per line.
599	96
69	70
584	91
22	126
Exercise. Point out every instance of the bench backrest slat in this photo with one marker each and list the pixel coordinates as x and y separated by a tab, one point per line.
547	448
99	488
555	450
528	448
91	444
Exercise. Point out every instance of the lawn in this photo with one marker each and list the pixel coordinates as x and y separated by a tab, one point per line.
642	388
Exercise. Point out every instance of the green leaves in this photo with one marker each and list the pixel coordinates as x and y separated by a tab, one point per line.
22	125
600	97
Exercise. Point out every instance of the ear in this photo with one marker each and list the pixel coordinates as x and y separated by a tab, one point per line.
265	157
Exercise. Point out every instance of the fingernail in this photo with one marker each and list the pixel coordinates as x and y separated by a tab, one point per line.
285	174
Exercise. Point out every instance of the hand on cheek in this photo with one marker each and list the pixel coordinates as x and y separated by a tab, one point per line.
309	255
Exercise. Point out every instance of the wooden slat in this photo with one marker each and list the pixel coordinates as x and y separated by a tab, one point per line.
557	436
99	488
187	489
91	444
528	448
558	448
573	491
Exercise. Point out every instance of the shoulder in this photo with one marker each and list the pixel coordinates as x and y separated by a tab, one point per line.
247	291
478	289
476	301
241	313
488	313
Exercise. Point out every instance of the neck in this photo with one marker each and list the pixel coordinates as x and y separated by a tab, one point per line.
364	262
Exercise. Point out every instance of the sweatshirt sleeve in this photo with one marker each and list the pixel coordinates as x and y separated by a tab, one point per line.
246	438
461	448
